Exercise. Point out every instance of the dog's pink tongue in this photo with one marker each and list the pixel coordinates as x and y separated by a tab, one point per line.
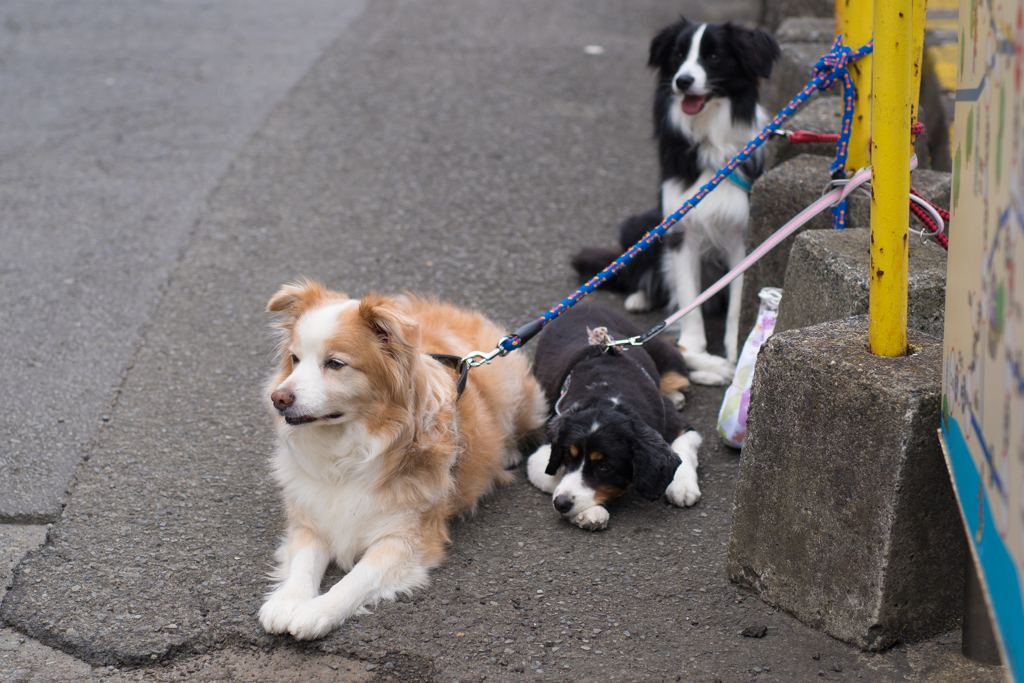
693	103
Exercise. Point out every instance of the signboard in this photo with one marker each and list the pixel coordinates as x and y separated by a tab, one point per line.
983	367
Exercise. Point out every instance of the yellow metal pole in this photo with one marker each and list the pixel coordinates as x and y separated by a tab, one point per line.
890	176
857	24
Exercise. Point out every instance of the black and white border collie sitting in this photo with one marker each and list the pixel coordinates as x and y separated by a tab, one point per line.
705	111
615	416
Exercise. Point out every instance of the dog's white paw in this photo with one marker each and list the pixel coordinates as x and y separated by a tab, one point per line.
592	519
277	611
511	458
684	490
709	370
709	379
637	302
535	467
678	399
313	619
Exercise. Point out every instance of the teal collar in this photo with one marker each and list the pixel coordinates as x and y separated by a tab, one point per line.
737	178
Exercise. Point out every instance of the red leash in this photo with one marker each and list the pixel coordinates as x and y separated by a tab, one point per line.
806	136
798	136
928	222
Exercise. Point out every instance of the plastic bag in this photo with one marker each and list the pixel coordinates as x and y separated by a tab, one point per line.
732	417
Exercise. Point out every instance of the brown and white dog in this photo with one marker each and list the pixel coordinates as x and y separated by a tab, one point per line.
375	451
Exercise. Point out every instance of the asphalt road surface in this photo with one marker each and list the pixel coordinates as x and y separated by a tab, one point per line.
166	167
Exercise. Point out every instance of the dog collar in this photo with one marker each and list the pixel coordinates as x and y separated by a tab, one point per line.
561	394
457	364
737	178
568	378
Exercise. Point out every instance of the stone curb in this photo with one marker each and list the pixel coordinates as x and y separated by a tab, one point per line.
844	514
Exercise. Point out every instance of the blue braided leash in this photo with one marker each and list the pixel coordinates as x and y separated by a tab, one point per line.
826	72
835	61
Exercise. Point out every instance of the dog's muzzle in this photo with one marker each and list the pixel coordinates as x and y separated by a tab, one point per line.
564	504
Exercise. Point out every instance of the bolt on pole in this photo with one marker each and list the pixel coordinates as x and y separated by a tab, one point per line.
891	109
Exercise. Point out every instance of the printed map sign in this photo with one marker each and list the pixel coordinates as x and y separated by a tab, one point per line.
983	368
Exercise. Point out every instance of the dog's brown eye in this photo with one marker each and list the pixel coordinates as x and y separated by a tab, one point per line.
334	364
295	359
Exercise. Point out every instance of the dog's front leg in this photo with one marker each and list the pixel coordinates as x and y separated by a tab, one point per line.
684	266
684	274
732	321
302	560
390	566
684	490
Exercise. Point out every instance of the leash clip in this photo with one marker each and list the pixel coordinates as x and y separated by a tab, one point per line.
638	340
477	358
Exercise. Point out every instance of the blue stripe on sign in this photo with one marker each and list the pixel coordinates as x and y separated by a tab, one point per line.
997	567
971	94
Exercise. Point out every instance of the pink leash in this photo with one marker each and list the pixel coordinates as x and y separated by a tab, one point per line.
828	199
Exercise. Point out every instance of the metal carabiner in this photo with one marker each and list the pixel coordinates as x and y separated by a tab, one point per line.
632	341
477	358
638	340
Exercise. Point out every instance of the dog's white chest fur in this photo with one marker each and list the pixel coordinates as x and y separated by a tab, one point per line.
721	217
718	137
332	484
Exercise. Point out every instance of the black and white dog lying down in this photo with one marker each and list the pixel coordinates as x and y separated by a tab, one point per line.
615	416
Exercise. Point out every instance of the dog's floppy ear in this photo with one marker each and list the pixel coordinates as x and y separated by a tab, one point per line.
292	300
654	461
755	50
395	331
663	42
557	457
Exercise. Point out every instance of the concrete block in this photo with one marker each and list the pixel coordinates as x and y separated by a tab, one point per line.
844	514
827	279
776	197
806	30
791	73
784	191
777	11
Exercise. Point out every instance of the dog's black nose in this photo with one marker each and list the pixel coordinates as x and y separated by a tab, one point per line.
684	82
563	503
282	398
